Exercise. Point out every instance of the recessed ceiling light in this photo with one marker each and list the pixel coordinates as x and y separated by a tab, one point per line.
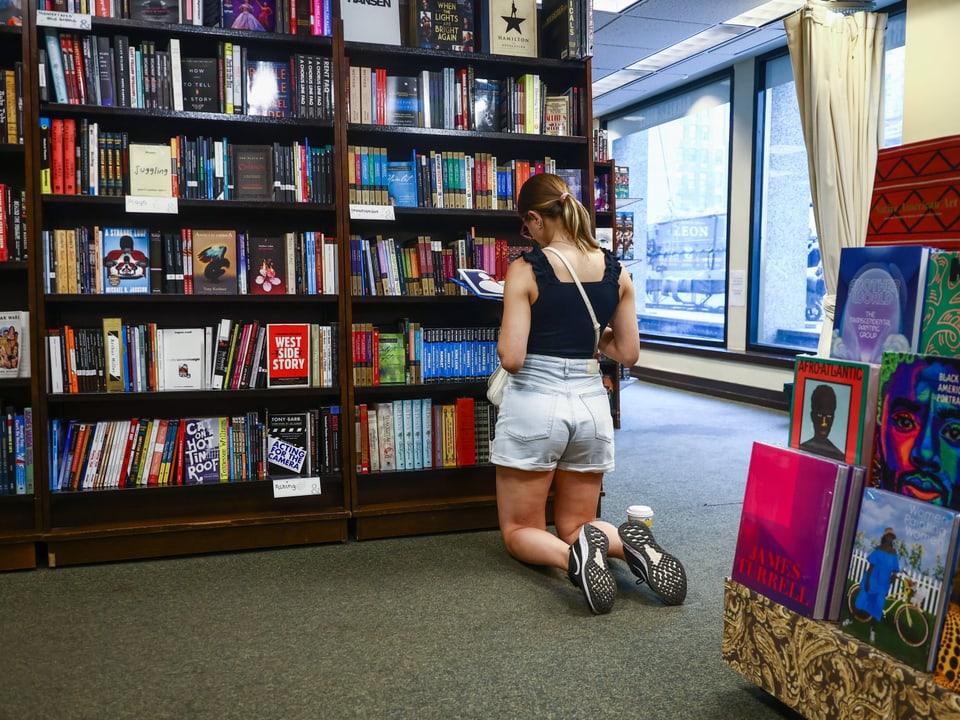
709	38
615	80
612	6
766	13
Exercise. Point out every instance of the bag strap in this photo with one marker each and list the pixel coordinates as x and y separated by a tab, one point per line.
583	294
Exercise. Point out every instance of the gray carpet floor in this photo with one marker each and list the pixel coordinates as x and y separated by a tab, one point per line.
441	626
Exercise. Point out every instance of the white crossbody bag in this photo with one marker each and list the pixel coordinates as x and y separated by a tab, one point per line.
498	380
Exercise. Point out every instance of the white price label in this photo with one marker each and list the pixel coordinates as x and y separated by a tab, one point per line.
70	21
371	212
144	204
296	487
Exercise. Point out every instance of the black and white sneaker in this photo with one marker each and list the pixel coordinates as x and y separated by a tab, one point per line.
660	570
588	570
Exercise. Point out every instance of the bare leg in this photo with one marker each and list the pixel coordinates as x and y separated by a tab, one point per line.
576	497
521	507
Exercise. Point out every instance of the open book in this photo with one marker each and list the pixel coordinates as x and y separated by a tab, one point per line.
480	283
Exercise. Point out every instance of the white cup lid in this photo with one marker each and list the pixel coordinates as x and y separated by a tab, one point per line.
639	510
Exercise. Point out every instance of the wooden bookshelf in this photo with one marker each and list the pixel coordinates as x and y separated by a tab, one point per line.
819	670
21	518
606	218
74	527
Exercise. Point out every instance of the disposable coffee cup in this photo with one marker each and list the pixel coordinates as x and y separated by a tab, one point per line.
640	513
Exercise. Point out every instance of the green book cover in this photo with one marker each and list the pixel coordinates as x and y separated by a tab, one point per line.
393	359
940	327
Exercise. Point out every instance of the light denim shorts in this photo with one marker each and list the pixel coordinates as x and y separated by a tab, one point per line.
555	415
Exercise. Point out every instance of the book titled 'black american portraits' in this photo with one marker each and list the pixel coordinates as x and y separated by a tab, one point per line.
834	408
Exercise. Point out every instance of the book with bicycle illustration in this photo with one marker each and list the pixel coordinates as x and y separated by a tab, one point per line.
791	525
900	576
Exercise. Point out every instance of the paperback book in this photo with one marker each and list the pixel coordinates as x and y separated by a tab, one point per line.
833	412
126	261
214	262
289	445
915	451
443	25
200	84
203	450
150	170
288	354
253	15
900	576
793	508
181	354
269	90
377	22
880	292
267	266
480	283
15	343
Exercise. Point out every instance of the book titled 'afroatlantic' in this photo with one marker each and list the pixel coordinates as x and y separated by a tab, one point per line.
793	509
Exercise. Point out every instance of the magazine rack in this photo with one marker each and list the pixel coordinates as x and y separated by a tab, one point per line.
820	671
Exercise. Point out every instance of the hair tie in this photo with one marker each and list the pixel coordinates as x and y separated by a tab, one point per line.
564	197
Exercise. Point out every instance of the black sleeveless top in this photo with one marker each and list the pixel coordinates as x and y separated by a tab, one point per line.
560	323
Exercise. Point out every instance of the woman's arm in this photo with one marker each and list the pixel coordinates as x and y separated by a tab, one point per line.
515	325
621	339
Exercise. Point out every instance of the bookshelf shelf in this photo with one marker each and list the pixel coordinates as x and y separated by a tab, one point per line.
439	135
149	300
314	43
180	397
820	671
184	118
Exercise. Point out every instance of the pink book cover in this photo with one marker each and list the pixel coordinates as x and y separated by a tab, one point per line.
792	510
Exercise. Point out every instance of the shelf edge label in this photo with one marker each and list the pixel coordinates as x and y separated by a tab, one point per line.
144	204
296	487
56	18
371	212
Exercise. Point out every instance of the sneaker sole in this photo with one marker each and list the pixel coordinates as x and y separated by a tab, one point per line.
659	569
599	585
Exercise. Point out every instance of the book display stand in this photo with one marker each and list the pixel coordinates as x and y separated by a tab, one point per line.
819	670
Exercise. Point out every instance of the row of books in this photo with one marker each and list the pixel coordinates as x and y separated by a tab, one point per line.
454	99
414	354
195	261
11	105
424	266
420	433
16	451
13	223
111	72
79	158
444	179
232	355
292	17
153	452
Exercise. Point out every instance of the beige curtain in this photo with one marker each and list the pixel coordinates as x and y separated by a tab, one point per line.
838	68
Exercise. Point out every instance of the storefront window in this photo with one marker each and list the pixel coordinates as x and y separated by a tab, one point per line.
672	225
788	276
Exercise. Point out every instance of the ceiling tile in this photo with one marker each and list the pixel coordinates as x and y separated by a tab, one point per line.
640	32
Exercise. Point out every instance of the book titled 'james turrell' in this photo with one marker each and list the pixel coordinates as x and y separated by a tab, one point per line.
793	510
372	21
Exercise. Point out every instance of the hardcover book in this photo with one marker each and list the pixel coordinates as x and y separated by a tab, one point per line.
269	89
940	328
289	445
560	29
900	574
253	172
200	84
371	22
150	170
214	262
201	450
509	27
288	355
401	184
267	266
126	261
915	452
443	25
793	507
480	283
833	412
253	15
880	293
556	115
